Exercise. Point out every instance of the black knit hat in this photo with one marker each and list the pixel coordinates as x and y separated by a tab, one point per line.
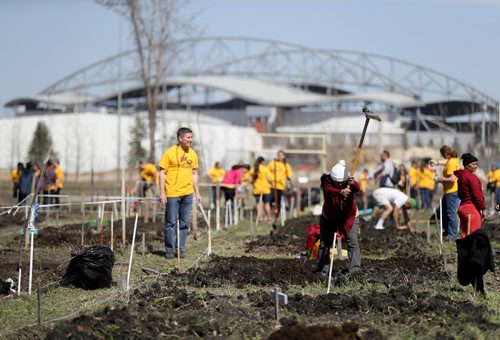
468	158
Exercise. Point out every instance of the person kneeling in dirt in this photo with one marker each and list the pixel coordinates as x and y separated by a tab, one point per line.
339	215
393	200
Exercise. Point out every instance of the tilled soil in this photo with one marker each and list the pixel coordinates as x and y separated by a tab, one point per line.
245	270
49	270
391	291
70	235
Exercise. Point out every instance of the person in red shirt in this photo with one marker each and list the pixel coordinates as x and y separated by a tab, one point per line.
470	192
231	180
339	215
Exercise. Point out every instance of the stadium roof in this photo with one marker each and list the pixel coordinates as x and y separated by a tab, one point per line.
257	91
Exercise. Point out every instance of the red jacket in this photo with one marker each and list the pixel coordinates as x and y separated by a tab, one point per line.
470	190
337	210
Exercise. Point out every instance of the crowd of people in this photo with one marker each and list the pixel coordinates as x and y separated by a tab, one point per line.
27	178
397	191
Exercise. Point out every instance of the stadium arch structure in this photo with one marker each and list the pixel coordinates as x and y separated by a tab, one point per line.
280	86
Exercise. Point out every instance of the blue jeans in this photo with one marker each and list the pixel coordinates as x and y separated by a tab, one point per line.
450	217
425	197
177	207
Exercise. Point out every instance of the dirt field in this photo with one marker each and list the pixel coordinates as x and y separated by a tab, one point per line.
406	289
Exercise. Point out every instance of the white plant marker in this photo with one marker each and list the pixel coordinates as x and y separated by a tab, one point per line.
131	252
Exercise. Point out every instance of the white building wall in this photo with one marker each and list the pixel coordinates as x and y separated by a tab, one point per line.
96	136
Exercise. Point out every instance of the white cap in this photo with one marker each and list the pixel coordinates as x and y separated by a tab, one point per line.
339	172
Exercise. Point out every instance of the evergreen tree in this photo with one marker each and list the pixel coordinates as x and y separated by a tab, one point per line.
138	132
40	144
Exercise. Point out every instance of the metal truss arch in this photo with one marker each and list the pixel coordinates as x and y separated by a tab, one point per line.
278	62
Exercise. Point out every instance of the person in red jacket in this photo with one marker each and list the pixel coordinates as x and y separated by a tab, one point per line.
470	192
339	215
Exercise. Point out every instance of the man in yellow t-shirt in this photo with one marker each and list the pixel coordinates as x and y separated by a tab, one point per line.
178	180
147	179
450	200
59	180
215	175
14	179
281	172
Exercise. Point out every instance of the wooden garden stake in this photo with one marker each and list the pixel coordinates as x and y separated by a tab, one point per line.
428	231
209	250
217	208
143	244
131	252
112	241
39	300
251	225
178	246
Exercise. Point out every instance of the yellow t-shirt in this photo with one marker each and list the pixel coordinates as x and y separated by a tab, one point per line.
261	184
14	175
216	174
496	178
149	172
451	165
413	173
362	182
179	166
283	170
426	179
59	177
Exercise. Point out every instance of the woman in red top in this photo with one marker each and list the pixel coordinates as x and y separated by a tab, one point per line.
470	192
339	215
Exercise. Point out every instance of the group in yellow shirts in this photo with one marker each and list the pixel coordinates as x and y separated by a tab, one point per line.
21	181
269	183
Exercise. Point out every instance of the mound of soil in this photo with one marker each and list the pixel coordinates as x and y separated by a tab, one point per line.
399	304
349	330
245	270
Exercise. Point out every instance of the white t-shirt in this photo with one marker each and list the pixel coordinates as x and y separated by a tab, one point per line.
385	196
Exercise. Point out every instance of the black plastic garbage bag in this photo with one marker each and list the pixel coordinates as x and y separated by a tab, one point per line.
90	269
475	258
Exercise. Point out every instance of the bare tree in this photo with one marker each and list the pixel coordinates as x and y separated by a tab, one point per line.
157	26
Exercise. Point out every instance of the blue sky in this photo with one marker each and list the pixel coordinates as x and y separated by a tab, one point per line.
42	41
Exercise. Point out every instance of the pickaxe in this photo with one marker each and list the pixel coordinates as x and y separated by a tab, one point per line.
368	115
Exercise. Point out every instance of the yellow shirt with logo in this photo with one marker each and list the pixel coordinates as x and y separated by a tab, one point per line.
59	177
148	174
216	174
451	165
283	171
426	179
179	166
413	173
261	184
